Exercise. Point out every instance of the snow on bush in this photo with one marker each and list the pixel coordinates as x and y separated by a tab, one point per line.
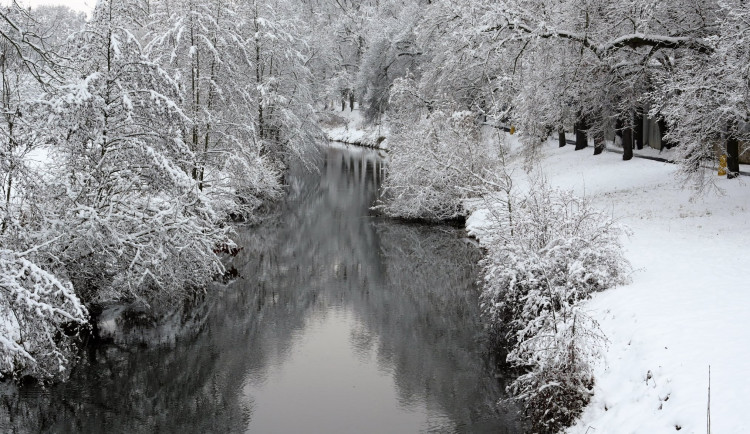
242	186
34	307
437	154
548	252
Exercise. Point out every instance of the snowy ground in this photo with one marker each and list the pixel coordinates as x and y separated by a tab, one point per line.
347	127
688	305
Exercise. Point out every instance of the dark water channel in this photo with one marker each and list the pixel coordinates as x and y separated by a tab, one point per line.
339	322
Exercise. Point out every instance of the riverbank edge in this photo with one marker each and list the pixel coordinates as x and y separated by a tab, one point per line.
673	320
678	316
348	127
359	144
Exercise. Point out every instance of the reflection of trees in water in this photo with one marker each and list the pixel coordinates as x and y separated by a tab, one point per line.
411	289
426	316
140	389
192	385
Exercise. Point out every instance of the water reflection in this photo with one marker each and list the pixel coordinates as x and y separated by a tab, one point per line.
339	322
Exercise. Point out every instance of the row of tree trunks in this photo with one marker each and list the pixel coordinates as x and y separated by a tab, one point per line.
581	132
632	137
630	131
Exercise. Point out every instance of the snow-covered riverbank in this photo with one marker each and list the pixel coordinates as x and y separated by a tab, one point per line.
687	305
348	127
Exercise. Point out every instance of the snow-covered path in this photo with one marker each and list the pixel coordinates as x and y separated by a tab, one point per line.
688	305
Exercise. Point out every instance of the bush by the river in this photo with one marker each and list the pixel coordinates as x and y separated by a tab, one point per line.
548	252
438	156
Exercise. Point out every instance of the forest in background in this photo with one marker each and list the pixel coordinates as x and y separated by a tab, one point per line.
134	136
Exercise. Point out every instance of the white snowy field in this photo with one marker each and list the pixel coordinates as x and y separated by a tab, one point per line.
687	307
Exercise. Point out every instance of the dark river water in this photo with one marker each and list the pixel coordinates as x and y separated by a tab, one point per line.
337	322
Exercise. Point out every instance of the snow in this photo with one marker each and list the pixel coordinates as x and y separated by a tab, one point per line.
85	6
38	158
348	127
687	305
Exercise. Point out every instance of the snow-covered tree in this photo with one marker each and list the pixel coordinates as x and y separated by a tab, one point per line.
705	96
27	66
391	53
163	119
544	66
336	34
285	102
202	46
245	89
479	75
438	155
131	219
36	303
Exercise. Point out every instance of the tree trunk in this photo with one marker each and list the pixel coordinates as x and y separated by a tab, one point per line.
581	138
618	128
599	144
733	154
259	80
638	131
561	136
627	143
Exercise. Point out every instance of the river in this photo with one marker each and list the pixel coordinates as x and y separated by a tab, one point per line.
338	321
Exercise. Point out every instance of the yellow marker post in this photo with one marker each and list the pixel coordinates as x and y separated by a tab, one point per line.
722	165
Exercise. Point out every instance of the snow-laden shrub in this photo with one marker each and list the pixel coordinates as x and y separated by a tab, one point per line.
132	246
437	155
35	305
558	382
548	253
242	186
